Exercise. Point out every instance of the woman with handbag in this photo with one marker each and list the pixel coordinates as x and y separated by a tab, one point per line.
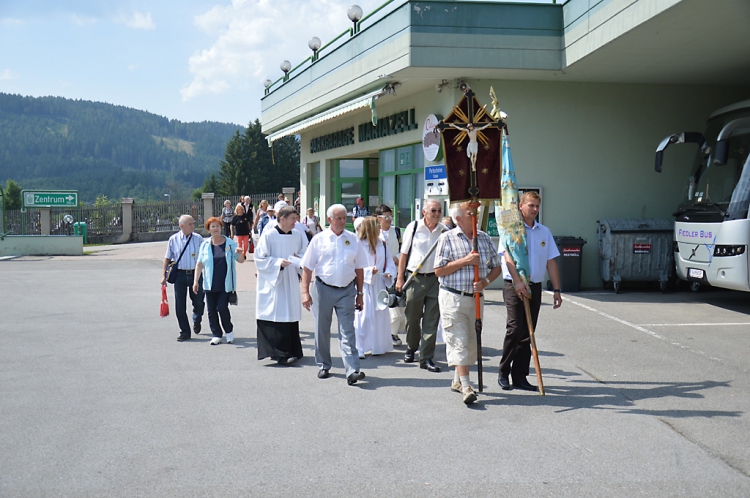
216	262
372	326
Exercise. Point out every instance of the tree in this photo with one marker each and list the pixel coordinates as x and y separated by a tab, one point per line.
12	195
101	201
250	168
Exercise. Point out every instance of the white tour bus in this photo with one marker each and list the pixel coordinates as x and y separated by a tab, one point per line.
712	228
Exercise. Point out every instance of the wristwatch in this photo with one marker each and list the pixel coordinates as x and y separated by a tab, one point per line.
360	293
487	279
556	290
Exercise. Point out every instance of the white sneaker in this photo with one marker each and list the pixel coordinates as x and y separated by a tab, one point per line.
230	337
396	340
215	341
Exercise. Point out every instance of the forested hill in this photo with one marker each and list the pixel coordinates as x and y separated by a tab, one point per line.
103	149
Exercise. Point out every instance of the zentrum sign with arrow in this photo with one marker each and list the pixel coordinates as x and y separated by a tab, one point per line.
54	198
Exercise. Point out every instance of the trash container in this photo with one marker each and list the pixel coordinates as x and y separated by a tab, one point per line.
569	263
79	228
636	250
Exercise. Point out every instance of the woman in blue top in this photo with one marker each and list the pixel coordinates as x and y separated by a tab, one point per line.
216	259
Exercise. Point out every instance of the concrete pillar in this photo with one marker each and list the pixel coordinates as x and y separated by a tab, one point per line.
45	219
208	206
127	215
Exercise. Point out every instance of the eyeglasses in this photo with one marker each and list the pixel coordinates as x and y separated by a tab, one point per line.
436	210
386	218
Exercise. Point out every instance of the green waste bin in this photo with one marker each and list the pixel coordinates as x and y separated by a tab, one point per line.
80	229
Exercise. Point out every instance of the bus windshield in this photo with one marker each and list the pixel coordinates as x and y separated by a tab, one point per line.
712	186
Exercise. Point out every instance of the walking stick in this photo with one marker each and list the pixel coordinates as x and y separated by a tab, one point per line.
534	351
474	205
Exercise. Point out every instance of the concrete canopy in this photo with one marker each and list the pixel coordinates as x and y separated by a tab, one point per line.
420	44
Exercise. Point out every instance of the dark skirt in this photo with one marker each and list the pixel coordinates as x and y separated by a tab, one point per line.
278	340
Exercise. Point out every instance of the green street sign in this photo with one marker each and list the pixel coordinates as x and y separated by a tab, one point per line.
53	198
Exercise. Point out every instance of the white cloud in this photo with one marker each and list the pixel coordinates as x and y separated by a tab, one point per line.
132	67
252	37
10	21
7	74
138	20
83	20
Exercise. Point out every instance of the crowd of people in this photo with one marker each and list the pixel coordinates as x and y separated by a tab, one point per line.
430	267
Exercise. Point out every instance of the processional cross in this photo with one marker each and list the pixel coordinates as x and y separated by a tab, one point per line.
470	124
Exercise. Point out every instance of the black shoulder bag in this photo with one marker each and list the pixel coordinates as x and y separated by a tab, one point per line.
170	273
232	298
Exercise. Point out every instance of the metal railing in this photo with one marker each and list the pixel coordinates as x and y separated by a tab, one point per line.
235	199
160	217
100	221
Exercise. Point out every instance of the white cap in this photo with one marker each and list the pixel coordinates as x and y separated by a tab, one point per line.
358	222
279	205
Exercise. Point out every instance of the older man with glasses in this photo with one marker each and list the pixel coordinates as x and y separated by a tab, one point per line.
422	309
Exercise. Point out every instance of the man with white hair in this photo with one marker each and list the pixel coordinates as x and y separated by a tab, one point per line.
454	267
338	260
183	247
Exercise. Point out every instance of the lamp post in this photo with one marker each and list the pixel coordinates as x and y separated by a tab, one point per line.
169	198
314	45
355	14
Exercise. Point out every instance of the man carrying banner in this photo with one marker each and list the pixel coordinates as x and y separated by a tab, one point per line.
454	267
542	252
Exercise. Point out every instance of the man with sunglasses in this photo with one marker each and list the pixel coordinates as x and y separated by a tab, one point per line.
422	294
392	236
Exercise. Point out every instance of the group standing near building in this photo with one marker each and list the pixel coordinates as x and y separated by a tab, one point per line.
428	268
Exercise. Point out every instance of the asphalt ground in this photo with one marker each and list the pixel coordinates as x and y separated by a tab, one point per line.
647	395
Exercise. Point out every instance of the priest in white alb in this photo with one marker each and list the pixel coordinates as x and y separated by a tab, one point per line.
278	306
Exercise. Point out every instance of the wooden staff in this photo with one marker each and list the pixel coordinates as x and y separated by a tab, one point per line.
534	352
474	206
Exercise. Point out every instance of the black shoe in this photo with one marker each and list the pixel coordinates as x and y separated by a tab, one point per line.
323	373
524	384
183	339
196	328
503	382
409	356
429	366
354	377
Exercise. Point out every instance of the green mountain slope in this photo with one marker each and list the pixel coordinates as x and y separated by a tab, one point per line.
103	149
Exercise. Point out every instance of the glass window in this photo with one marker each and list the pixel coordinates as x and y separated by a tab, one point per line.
350	191
405	199
419	185
373	168
388	160
418	157
351	168
404	157
314	171
389	191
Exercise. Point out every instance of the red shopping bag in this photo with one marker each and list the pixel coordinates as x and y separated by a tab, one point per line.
251	246
164	310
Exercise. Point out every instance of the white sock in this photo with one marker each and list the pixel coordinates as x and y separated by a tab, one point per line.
456	377
465	382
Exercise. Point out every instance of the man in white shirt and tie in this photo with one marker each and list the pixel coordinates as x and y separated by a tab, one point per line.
338	259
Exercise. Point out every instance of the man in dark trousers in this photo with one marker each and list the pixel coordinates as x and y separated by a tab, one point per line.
422	309
187	244
542	254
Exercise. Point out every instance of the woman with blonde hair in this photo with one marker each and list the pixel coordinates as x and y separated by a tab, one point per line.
372	326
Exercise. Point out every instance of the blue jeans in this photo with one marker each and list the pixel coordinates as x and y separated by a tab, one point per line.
182	288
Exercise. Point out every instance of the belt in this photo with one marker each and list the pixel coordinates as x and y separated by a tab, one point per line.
460	293
431	274
186	271
333	286
532	283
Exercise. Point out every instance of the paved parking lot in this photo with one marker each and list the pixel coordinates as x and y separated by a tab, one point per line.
647	394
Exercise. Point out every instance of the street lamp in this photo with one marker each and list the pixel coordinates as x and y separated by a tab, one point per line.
355	14
169	198
286	66
314	45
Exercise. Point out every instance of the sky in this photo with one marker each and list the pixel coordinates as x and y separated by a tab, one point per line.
191	60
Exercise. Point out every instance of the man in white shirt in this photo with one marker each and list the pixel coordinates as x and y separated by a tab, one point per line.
338	260
422	294
542	253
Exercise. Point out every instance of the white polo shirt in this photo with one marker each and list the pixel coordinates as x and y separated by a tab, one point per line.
420	239
333	258
542	248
